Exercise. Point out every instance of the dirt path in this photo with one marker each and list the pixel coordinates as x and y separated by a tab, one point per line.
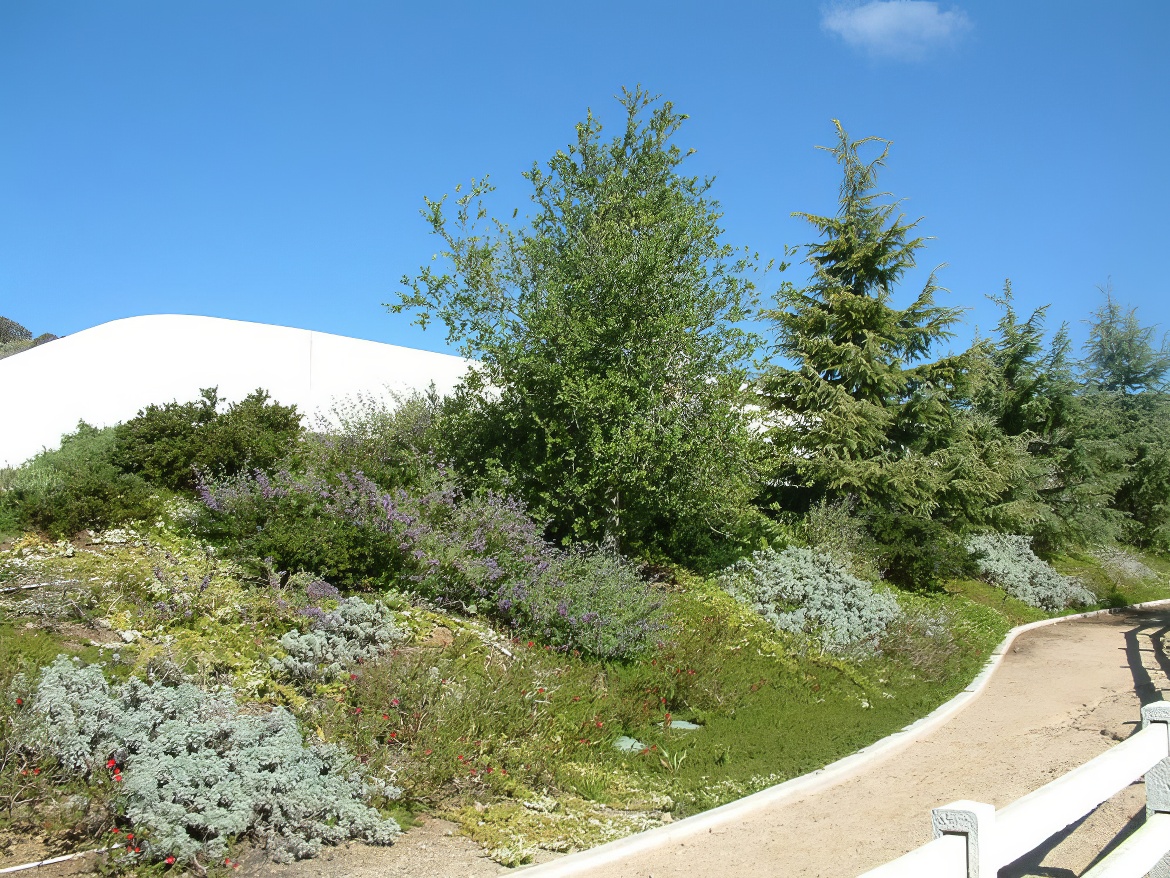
1064	694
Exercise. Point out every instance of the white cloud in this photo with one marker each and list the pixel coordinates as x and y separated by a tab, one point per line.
906	29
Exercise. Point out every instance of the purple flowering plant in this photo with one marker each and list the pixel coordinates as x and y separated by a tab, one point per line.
480	554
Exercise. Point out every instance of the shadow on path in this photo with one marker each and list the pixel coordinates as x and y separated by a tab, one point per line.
1147	690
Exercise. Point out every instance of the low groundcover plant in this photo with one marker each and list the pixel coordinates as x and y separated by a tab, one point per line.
1008	561
352	633
807	593
195	773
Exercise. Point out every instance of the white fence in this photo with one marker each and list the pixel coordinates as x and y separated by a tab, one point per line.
973	840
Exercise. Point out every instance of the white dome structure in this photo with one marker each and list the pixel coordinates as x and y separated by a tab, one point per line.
106	374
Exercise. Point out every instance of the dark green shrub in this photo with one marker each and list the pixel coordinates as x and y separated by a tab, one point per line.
166	444
917	553
75	487
289	520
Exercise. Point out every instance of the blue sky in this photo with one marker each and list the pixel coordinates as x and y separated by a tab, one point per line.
266	160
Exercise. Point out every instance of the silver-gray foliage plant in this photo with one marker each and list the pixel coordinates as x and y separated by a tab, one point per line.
808	593
355	631
199	773
1008	561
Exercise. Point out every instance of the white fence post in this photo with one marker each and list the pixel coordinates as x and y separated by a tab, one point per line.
975	821
1158	778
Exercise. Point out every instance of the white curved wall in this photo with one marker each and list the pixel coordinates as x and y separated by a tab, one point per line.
106	374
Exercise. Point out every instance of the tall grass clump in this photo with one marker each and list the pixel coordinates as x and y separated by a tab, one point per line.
811	595
1007	561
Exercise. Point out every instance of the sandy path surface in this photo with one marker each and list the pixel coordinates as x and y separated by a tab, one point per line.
1063	694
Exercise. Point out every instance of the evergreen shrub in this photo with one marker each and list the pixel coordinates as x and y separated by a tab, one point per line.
166	444
915	552
75	487
196	773
1007	560
808	593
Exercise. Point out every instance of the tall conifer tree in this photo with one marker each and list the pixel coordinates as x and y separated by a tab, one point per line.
861	410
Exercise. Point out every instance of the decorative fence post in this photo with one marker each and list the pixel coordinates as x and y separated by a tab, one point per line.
1158	777
975	821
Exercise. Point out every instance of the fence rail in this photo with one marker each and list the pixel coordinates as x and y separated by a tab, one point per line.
973	840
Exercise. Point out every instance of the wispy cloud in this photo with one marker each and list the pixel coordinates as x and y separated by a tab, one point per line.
905	29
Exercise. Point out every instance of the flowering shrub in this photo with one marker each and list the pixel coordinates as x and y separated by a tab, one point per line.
1008	561
195	773
354	632
807	593
481	554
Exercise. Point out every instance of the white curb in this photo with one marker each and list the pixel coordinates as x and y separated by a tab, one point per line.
583	862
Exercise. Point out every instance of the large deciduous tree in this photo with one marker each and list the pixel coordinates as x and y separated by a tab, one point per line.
608	326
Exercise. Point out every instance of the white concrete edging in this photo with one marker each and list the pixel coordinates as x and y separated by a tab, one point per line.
583	862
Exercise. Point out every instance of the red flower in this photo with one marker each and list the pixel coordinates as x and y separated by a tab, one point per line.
118	778
356	711
353	676
393	702
394	734
115	830
428	752
129	835
530	643
385	716
21	700
36	771
169	861
111	763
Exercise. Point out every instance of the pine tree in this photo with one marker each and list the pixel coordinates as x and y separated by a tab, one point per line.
1027	387
1130	408
862	410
